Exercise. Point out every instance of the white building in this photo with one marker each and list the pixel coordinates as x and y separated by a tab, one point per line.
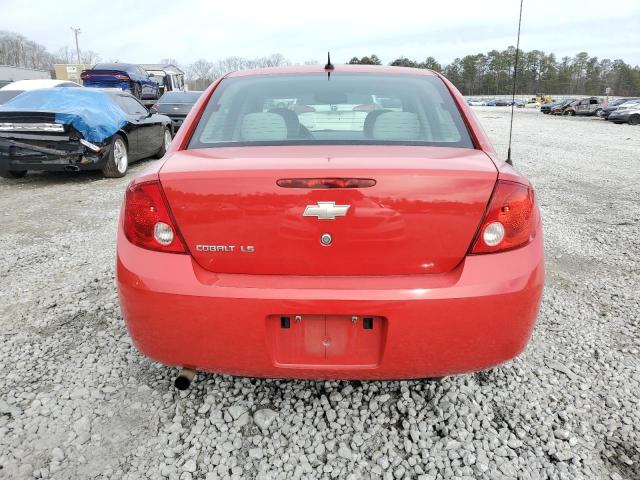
10	74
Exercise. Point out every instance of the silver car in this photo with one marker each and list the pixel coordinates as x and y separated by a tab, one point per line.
586	106
628	112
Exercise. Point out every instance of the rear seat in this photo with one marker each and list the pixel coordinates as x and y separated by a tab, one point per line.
391	125
263	126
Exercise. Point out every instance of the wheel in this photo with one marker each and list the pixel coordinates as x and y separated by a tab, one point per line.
12	173
166	141
570	113
634	120
118	160
599	113
136	91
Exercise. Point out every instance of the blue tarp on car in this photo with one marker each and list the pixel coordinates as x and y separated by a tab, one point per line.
94	113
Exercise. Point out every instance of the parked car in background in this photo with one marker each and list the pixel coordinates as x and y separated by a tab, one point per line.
614	104
123	76
628	112
363	285
560	108
548	107
585	106
498	103
531	103
168	77
476	102
176	106
73	129
16	88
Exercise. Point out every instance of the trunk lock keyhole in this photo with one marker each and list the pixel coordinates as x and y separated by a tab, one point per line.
326	239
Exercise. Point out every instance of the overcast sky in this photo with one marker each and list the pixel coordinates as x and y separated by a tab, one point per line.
146	31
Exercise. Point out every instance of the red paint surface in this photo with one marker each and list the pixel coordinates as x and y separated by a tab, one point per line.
420	217
400	255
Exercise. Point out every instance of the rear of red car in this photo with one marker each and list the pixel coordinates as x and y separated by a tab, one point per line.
352	226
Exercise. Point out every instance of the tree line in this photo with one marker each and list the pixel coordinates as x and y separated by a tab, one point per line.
202	72
479	74
538	72
19	51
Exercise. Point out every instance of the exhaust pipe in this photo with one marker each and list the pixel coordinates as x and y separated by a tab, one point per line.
184	378
72	168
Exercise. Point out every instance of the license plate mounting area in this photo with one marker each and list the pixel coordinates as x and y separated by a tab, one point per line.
355	341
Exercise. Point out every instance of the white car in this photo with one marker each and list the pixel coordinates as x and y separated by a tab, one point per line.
476	102
16	88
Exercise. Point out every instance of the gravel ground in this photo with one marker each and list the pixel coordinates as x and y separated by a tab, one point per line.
77	401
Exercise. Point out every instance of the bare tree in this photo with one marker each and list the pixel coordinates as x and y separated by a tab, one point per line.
230	64
64	55
67	54
89	57
200	74
273	60
18	51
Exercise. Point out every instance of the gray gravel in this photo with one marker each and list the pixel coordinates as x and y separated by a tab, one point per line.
77	401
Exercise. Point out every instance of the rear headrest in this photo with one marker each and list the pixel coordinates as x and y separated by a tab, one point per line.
291	120
263	126
367	129
396	126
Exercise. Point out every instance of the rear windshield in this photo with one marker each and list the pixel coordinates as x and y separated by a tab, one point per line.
343	109
112	66
180	97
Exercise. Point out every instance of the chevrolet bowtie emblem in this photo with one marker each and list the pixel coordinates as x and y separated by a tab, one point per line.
326	210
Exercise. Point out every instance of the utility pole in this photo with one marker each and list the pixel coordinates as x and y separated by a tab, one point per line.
76	31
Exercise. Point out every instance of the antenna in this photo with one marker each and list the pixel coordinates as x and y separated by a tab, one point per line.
329	66
513	92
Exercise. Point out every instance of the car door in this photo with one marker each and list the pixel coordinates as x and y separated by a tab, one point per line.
150	131
132	128
583	107
593	105
148	128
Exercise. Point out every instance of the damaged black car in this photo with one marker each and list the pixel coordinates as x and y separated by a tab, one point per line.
78	129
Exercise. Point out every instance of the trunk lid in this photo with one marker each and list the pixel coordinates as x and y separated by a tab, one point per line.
419	217
174	109
105	78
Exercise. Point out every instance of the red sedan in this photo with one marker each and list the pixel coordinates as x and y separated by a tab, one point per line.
357	225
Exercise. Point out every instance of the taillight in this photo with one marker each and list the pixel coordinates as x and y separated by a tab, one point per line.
510	221
147	220
84	75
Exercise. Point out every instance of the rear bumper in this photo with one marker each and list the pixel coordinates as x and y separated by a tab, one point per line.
122	85
49	163
176	121
475	317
